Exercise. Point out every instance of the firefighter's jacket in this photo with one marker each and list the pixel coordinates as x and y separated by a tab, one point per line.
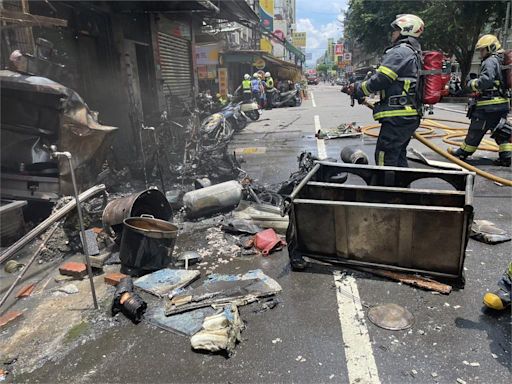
490	86
396	80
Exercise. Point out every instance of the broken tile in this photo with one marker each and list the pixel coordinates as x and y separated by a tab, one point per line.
72	268
26	291
9	317
113	278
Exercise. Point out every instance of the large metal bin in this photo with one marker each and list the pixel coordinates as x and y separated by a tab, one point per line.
372	225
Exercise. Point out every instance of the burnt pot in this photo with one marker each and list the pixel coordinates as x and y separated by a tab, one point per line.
147	245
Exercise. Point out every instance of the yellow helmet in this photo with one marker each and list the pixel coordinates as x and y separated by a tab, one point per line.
490	42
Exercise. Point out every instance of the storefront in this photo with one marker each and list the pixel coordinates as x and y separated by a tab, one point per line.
240	62
175	58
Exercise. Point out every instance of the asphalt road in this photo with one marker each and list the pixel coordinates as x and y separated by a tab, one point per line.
452	338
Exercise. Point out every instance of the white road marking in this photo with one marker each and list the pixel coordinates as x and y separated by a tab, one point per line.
320	143
312	99
358	350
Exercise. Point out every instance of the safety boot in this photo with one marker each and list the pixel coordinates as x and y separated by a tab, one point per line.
460	153
502	162
498	300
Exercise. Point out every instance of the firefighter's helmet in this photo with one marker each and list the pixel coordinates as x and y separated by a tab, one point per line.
490	42
409	25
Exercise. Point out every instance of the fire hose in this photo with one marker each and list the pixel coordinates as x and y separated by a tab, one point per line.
422	138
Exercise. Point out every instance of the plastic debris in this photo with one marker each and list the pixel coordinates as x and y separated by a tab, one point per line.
487	232
220	332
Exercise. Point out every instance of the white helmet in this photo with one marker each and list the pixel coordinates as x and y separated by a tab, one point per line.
267	74
409	25
247	76
256	75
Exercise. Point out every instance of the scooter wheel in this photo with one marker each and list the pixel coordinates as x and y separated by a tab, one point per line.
253	115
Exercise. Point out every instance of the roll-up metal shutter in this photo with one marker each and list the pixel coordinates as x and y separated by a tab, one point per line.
176	65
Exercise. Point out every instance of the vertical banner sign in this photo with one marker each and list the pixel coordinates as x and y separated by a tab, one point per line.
267	14
338	50
223	81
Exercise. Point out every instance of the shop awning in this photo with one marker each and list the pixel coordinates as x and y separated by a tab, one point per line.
230	10
281	69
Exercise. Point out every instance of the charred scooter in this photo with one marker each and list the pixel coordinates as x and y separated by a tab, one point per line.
251	109
286	99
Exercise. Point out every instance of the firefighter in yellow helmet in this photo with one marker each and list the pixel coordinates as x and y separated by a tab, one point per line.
399	107
489	109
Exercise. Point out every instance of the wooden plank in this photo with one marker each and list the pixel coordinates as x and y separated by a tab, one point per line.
416	281
30	20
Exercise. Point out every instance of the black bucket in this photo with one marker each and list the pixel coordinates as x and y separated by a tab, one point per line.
147	245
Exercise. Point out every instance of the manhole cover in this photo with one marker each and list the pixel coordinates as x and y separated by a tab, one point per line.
391	316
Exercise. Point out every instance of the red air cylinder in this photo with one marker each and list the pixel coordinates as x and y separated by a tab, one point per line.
433	84
508	72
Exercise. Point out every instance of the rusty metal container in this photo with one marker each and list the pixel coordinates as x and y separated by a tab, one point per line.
150	201
366	224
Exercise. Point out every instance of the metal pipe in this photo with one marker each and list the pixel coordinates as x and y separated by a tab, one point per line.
59	214
32	259
81	221
304	181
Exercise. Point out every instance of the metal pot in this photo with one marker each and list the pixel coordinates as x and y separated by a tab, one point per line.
147	245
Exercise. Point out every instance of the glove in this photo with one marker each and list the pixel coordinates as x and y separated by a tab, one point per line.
358	92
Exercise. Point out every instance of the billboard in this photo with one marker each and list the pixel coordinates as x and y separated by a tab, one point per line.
267	14
299	39
280	36
207	54
338	49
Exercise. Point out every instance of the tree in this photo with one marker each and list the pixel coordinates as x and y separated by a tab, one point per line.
451	26
334	67
322	68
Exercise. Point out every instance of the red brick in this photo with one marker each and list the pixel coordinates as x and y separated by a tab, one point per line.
113	278
26	291
9	317
72	268
97	230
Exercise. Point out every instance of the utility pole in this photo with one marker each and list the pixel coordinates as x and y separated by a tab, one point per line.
506	27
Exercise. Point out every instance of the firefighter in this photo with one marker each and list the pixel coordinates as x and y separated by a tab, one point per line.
246	87
398	110
269	89
500	299
489	105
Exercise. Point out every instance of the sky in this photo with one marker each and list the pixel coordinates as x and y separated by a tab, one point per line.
318	19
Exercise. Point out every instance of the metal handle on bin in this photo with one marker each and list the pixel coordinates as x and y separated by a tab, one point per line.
147	215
